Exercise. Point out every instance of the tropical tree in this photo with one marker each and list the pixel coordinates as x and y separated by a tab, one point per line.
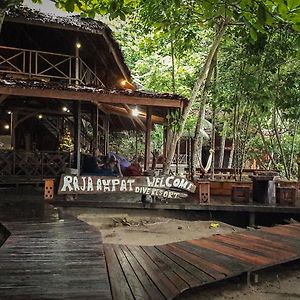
178	20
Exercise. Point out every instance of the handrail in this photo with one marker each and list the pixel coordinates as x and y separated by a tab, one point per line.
41	64
43	52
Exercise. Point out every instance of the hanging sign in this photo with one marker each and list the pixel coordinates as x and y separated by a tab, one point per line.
163	186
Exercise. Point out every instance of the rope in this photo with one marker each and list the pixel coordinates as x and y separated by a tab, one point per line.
209	161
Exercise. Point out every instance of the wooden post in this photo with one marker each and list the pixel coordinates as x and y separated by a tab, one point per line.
77	134
177	156
97	127
13	125
148	138
106	134
165	143
77	69
94	123
136	144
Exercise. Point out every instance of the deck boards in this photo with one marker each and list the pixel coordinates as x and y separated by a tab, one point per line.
172	268
54	260
68	260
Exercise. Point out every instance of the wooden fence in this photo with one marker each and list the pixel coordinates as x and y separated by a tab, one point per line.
38	165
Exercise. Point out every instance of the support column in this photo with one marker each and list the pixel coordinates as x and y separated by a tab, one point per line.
177	156
148	138
13	125
77	134
97	127
94	123
106	134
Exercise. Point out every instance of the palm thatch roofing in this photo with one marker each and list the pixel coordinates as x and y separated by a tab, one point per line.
30	29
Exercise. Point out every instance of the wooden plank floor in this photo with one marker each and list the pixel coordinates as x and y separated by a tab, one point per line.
53	260
163	272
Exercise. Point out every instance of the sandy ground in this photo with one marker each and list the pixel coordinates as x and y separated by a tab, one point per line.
149	228
138	228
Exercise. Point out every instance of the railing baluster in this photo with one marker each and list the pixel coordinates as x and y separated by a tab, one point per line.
70	70
30	63
24	61
36	62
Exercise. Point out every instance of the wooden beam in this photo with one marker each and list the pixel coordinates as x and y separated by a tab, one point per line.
116	57
90	96
43	111
148	139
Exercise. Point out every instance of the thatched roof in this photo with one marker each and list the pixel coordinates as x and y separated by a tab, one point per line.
35	84
49	32
28	15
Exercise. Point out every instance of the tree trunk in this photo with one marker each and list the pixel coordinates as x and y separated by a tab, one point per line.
278	139
265	143
232	151
201	116
244	142
231	155
292	150
198	85
197	138
222	146
213	142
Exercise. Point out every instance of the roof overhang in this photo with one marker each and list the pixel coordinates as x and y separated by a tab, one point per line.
95	97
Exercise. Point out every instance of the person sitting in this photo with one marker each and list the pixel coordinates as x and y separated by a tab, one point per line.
111	167
91	163
134	169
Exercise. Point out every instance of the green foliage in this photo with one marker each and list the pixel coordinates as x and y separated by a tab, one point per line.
5	4
157	136
124	143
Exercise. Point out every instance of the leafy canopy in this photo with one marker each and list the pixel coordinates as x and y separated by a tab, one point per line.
170	15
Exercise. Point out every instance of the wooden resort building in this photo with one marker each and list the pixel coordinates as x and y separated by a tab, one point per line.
65	78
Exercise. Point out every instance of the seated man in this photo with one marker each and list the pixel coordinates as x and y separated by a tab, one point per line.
91	163
110	168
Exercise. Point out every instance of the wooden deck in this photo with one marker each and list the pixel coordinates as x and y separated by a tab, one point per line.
163	272
66	259
53	260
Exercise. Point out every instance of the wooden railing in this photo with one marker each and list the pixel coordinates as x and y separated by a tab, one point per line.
46	66
38	165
